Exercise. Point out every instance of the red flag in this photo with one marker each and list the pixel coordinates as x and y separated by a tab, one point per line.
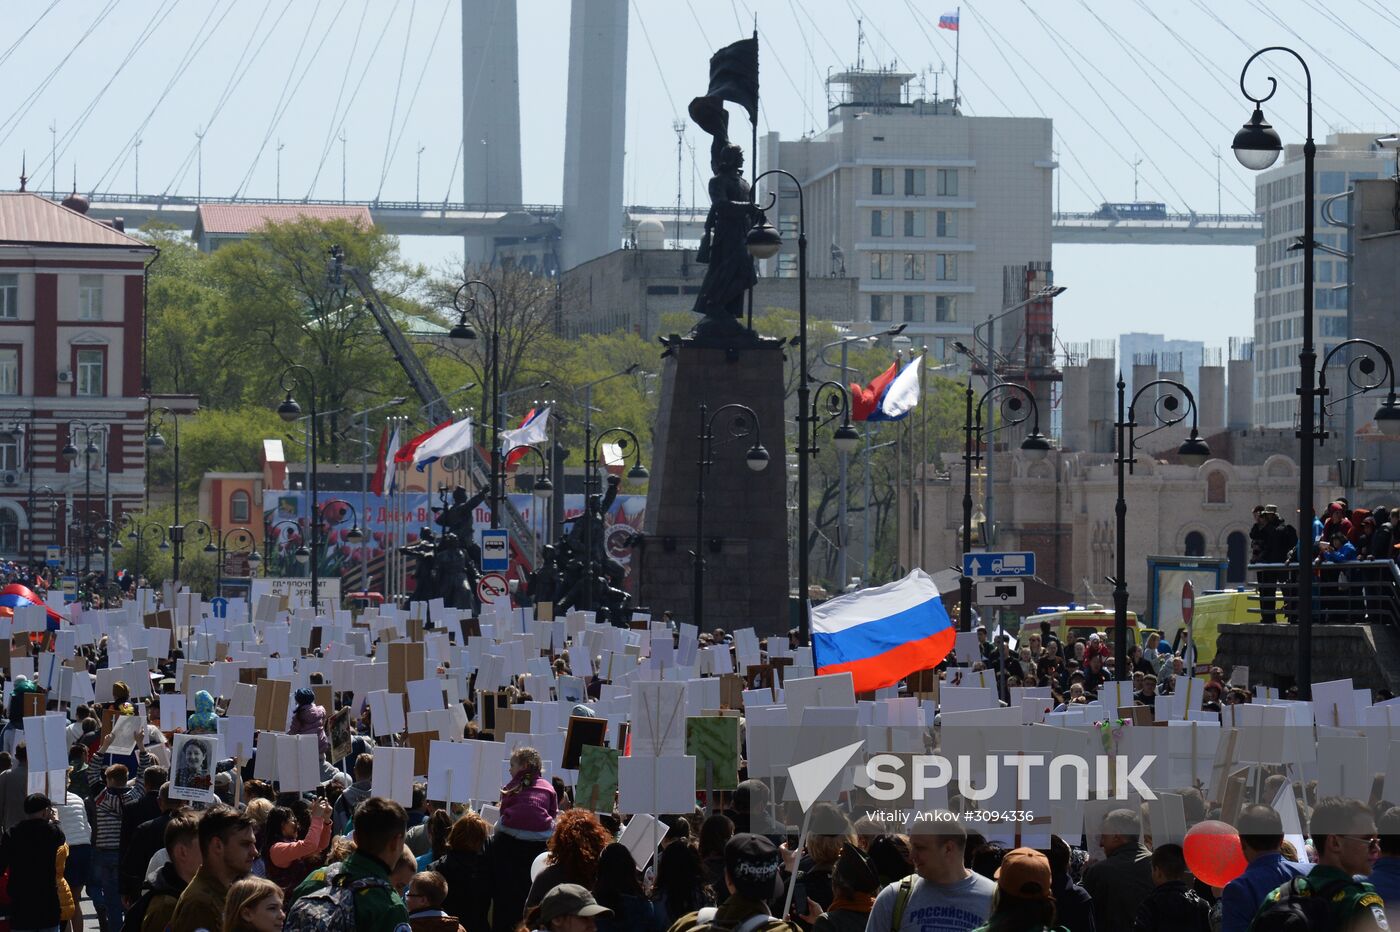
865	400
405	454
376	484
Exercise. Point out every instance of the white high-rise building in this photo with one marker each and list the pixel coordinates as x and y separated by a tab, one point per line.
1278	293
924	206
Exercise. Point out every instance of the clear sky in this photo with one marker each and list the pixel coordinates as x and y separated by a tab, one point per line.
1151	83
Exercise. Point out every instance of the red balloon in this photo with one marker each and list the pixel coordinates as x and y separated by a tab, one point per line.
1213	853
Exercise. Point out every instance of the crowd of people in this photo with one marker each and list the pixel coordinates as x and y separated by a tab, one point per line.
253	857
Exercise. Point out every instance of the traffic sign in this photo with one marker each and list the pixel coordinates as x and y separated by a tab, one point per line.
998	564
491	587
53	555
495	550
1001	592
219	606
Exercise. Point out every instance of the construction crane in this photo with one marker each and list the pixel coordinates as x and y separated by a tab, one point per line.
434	402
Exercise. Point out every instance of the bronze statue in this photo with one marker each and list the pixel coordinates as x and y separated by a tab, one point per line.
731	270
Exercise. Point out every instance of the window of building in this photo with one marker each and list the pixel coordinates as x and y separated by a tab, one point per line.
9	532
880	306
10	458
1216	488
91	374
914	223
945	267
240	507
1331	182
1195	544
914	182
9	371
89	297
881	181
881	265
947	223
945	309
914	308
787	265
947	182
914	266
882	223
9	296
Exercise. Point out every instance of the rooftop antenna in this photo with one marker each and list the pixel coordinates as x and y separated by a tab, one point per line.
679	127
860	41
23	170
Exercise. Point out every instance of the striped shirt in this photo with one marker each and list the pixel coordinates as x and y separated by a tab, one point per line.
107	822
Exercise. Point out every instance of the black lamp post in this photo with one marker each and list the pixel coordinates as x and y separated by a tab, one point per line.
298	376
764	242
1015	409
744	424
1257	146
1166	410
155	444
216	546
301	554
70	456
139	533
543	488
592	456
463	332
22	430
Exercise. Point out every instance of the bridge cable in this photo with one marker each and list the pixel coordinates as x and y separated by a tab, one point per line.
413	98
350	60
700	26
398	88
4	56
195	47
284	101
13	119
66	140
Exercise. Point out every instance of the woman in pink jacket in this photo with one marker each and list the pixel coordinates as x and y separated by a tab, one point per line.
310	719
287	859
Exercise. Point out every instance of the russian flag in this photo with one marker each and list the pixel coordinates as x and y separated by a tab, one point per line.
882	635
865	400
15	595
949	21
900	396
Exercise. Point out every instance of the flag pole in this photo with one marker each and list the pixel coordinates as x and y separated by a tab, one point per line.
957	59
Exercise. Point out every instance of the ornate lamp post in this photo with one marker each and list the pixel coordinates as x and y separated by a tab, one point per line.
155	444
744	424
1166	410
301	554
298	376
70	456
217	547
139	532
542	488
1015	409
592	457
463	332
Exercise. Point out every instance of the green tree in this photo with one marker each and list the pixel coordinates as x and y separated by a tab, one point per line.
213	440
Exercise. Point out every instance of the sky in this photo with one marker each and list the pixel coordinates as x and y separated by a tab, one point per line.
1143	90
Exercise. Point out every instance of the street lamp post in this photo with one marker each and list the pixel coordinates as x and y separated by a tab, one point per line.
1035	445
1166	410
155	443
543	488
744	424
592	457
301	554
138	533
70	455
217	546
289	410
22	430
463	332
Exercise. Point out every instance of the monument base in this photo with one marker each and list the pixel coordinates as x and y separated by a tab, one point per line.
745	544
1368	654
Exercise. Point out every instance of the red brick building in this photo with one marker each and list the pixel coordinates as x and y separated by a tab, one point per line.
72	321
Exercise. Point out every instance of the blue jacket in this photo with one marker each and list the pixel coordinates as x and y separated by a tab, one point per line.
1385	877
1243	895
1347	554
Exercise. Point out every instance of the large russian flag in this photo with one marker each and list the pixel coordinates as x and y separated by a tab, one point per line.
15	594
882	635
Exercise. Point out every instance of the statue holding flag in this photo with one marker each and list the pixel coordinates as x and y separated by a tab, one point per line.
730	273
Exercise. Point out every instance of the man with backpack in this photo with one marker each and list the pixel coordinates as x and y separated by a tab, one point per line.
1329	899
1261	837
753	873
1172	906
356	893
942	893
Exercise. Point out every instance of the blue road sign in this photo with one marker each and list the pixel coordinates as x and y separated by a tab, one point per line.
998	564
495	550
219	606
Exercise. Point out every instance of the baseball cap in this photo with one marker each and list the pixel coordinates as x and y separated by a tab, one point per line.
1025	874
36	803
753	863
569	899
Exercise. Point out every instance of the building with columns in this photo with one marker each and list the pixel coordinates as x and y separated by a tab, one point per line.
72	335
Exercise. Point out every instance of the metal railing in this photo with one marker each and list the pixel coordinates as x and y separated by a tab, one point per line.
1363	591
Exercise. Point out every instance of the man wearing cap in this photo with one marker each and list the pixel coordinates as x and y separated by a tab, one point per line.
1279	539
1023	901
753	874
942	895
30	851
570	908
